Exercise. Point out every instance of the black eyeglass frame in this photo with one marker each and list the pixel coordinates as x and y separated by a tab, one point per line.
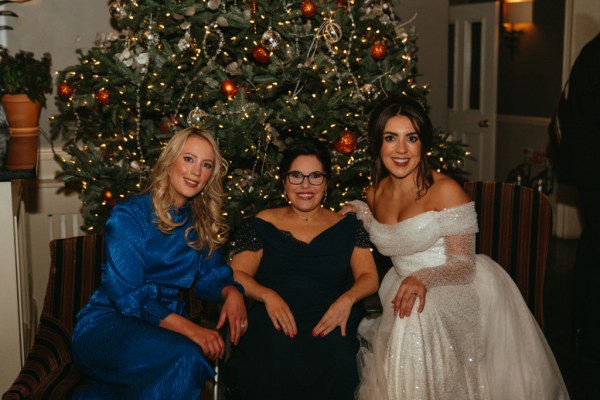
313	175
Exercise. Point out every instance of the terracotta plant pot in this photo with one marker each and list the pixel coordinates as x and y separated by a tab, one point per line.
20	111
22	148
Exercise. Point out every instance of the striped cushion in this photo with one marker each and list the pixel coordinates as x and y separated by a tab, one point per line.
515	225
75	272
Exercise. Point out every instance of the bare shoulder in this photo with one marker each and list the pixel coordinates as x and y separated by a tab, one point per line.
446	193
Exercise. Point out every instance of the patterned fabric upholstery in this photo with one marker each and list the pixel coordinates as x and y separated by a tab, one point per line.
75	272
515	225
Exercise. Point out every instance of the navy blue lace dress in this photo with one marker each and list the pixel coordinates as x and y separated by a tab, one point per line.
117	342
267	364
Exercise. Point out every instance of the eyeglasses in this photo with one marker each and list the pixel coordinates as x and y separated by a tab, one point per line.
314	178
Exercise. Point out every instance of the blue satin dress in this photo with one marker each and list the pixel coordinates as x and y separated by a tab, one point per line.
117	342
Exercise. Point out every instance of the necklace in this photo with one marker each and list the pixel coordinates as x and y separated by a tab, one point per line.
305	217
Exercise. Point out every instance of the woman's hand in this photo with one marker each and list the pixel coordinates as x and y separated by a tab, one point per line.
280	313
410	289
348	208
234	312
209	340
336	315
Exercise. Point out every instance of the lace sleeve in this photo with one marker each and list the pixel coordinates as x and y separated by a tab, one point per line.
363	212
458	226
362	237
245	238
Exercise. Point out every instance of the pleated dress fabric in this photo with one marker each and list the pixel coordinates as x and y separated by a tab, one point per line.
117	342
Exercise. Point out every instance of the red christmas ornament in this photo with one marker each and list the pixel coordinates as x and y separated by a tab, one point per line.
228	88
308	8
378	51
103	97
342	3
65	90
108	198
261	55
347	142
166	124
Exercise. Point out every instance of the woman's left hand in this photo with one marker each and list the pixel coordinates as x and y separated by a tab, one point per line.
409	291
234	312
336	315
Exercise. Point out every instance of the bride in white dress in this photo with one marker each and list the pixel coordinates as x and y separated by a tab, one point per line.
454	325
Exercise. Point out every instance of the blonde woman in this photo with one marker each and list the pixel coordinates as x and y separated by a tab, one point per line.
132	340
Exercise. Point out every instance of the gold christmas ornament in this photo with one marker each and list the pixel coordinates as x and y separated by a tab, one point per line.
116	10
271	40
332	32
149	38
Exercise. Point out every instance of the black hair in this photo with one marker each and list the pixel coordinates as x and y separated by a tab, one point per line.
416	112
306	146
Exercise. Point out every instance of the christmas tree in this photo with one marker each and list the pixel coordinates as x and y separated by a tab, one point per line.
255	73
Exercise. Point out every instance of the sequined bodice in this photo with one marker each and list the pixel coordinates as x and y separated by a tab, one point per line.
418	242
411	244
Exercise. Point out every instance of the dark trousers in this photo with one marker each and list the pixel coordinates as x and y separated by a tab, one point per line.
587	275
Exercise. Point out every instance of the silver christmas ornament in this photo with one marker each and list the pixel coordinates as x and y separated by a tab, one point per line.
369	91
271	40
196	116
186	42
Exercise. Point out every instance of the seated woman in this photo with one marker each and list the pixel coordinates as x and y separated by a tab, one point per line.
454	324
132	340
306	267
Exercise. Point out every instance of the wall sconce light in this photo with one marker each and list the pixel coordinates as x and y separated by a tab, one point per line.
8	13
515	15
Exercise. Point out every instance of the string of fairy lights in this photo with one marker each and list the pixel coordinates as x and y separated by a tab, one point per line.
198	95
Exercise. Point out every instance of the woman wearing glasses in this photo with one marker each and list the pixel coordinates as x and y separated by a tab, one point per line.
305	267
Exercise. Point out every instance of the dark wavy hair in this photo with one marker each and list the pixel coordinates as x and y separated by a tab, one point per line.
417	114
305	146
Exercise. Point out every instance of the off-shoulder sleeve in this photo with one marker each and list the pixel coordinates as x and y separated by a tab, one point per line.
245	238
363	212
458	226
214	275
123	274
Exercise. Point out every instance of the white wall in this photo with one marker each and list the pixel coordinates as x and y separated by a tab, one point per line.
432	27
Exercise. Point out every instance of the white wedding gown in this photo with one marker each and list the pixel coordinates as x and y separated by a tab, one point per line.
475	339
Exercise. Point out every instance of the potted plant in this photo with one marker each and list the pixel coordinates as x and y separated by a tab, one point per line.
24	82
25	79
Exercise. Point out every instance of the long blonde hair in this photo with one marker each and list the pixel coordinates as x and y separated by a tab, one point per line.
206	207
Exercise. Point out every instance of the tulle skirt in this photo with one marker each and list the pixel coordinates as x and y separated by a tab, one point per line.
474	341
